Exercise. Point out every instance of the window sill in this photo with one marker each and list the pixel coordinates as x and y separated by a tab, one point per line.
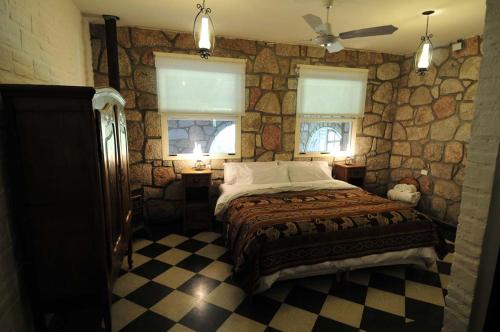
336	156
205	157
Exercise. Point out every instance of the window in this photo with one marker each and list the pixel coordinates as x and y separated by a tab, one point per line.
324	136
215	136
201	102
225	133
329	101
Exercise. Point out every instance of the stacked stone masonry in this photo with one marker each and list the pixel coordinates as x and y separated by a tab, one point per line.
432	126
268	127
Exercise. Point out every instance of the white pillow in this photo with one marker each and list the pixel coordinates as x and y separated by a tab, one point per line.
239	172
277	174
301	173
322	164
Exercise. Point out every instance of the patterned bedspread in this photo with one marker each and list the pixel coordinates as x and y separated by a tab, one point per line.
270	232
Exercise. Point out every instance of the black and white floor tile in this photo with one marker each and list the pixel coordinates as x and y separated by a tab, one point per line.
183	283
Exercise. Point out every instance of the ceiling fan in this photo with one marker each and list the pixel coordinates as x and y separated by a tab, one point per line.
331	42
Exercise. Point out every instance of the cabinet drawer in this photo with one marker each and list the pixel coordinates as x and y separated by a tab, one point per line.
196	180
340	173
356	173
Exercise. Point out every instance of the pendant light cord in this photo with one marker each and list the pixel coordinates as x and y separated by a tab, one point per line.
426	26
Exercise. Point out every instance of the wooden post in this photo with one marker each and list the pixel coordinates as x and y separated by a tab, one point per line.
112	51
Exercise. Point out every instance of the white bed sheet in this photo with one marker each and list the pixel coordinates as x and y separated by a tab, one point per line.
230	192
424	256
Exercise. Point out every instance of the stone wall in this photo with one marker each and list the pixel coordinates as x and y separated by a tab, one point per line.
269	123
432	126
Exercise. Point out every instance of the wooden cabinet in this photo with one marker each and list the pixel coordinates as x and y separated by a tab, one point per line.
112	127
68	163
197	207
353	174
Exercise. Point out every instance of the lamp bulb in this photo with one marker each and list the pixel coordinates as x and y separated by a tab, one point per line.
204	42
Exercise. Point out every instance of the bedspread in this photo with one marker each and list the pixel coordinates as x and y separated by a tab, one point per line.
270	232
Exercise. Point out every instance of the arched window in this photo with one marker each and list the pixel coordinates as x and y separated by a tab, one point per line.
326	139
224	141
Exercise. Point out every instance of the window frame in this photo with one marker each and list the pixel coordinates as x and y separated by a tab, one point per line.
236	117
354	118
341	155
190	156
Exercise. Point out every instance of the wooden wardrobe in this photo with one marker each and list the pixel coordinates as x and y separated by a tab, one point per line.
68	167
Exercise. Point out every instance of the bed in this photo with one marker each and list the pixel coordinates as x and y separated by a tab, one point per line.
281	227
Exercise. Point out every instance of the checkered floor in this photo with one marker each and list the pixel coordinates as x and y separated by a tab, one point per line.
183	284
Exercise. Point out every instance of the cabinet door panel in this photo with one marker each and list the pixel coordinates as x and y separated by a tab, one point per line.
110	170
109	106
124	171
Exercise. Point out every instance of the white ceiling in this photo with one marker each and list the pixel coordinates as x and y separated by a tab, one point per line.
281	20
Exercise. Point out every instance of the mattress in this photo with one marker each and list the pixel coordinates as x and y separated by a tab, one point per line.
277	227
424	257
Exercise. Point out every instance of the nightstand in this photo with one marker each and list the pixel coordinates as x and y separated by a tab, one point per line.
353	174
197	213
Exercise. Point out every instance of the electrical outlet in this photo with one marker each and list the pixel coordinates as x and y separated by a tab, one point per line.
459	45
424	172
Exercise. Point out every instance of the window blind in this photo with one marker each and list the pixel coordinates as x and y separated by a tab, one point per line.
331	91
189	85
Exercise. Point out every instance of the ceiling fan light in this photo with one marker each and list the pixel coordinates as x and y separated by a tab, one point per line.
335	47
203	31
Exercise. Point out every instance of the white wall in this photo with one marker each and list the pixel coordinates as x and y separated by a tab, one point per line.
43	42
478	232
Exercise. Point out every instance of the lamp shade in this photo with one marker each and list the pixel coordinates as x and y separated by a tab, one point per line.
423	56
203	32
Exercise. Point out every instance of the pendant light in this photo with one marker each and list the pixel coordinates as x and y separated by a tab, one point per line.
203	31
423	56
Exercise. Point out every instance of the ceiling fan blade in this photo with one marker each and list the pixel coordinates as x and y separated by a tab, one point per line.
324	29
314	22
374	31
334	47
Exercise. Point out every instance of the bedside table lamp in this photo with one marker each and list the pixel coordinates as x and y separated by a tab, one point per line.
199	164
